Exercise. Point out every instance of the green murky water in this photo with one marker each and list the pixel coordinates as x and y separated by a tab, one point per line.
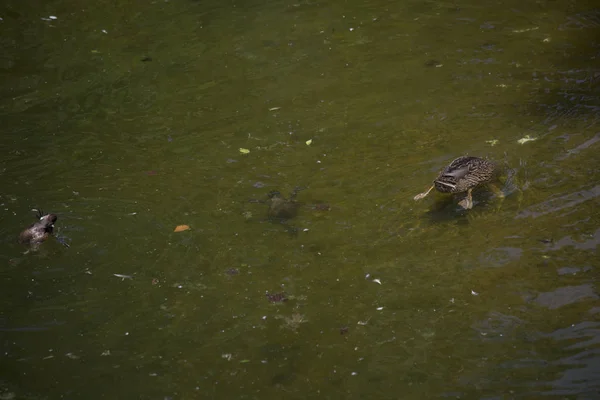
126	119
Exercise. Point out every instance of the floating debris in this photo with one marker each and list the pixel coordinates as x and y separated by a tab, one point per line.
244	151
308	142
377	281
294	321
123	277
322	207
474	293
535	28
526	139
492	142
274	108
277	297
181	228
433	63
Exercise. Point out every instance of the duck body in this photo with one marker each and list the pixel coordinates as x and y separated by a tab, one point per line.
40	231
463	175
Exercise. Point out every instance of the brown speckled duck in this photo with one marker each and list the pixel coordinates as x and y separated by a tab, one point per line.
463	175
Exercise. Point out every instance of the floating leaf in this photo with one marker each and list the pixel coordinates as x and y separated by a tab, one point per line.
308	142
526	139
244	151
492	142
181	228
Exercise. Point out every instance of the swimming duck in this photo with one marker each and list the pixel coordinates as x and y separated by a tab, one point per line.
38	232
463	175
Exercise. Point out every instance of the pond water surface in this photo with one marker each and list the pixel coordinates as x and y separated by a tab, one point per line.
128	118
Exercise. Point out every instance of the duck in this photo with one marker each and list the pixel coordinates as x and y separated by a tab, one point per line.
40	231
463	175
281	208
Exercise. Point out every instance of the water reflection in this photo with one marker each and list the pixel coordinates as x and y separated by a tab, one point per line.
579	368
566	295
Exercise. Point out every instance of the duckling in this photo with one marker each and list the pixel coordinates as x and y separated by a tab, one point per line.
463	175
40	231
281	208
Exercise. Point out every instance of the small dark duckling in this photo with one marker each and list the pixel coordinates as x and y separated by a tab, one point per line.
40	231
463	175
281	208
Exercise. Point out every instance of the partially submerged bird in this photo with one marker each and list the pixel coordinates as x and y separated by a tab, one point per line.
40	231
463	175
281	208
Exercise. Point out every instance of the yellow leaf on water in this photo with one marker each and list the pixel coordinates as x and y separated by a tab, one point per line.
244	151
181	228
308	142
526	139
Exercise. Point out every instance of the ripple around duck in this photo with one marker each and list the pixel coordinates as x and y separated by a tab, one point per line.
559	203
